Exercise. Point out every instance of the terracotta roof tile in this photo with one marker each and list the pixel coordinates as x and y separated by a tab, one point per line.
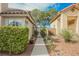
14	11
64	10
19	11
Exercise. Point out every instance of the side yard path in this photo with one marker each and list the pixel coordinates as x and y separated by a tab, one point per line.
39	48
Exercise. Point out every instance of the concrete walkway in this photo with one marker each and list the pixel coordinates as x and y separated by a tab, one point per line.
39	48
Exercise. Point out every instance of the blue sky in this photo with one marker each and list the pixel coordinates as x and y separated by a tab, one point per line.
41	6
59	6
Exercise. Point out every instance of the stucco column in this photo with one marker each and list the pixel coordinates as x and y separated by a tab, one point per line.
63	21
77	25
0	20
57	27
30	26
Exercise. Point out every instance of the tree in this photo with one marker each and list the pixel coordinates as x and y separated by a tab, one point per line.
52	12
36	13
43	17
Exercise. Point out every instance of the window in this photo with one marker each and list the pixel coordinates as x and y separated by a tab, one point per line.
15	21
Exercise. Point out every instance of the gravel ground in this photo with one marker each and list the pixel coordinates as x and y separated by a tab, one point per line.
65	49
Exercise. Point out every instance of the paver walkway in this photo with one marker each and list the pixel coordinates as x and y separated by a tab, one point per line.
39	48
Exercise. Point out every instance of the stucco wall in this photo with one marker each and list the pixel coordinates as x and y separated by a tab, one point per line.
63	19
58	30
3	6
74	13
0	20
54	24
71	13
77	24
30	26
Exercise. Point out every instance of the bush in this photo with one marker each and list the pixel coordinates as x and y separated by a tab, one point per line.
13	39
34	36
67	35
43	32
35	33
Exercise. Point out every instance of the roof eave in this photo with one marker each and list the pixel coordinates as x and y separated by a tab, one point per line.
73	6
55	17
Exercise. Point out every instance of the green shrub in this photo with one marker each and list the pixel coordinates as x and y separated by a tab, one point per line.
67	35
35	33
13	39
43	32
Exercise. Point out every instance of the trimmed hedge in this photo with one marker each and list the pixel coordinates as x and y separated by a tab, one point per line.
13	39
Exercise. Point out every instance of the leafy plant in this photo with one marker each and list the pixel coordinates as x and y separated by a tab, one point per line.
13	39
35	33
67	35
43	32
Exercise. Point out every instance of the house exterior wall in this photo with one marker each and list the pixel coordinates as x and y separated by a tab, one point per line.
55	26
71	13
30	26
63	19
77	24
3	6
60	23
58	30
74	13
0	20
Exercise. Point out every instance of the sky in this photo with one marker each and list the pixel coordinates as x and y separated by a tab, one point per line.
41	6
30	6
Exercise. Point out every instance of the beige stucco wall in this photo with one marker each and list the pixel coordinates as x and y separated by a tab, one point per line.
54	24
58	30
3	6
0	20
77	24
70	13
63	20
60	23
30	26
74	13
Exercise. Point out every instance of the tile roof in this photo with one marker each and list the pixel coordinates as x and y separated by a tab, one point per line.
18	12
64	10
14	11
